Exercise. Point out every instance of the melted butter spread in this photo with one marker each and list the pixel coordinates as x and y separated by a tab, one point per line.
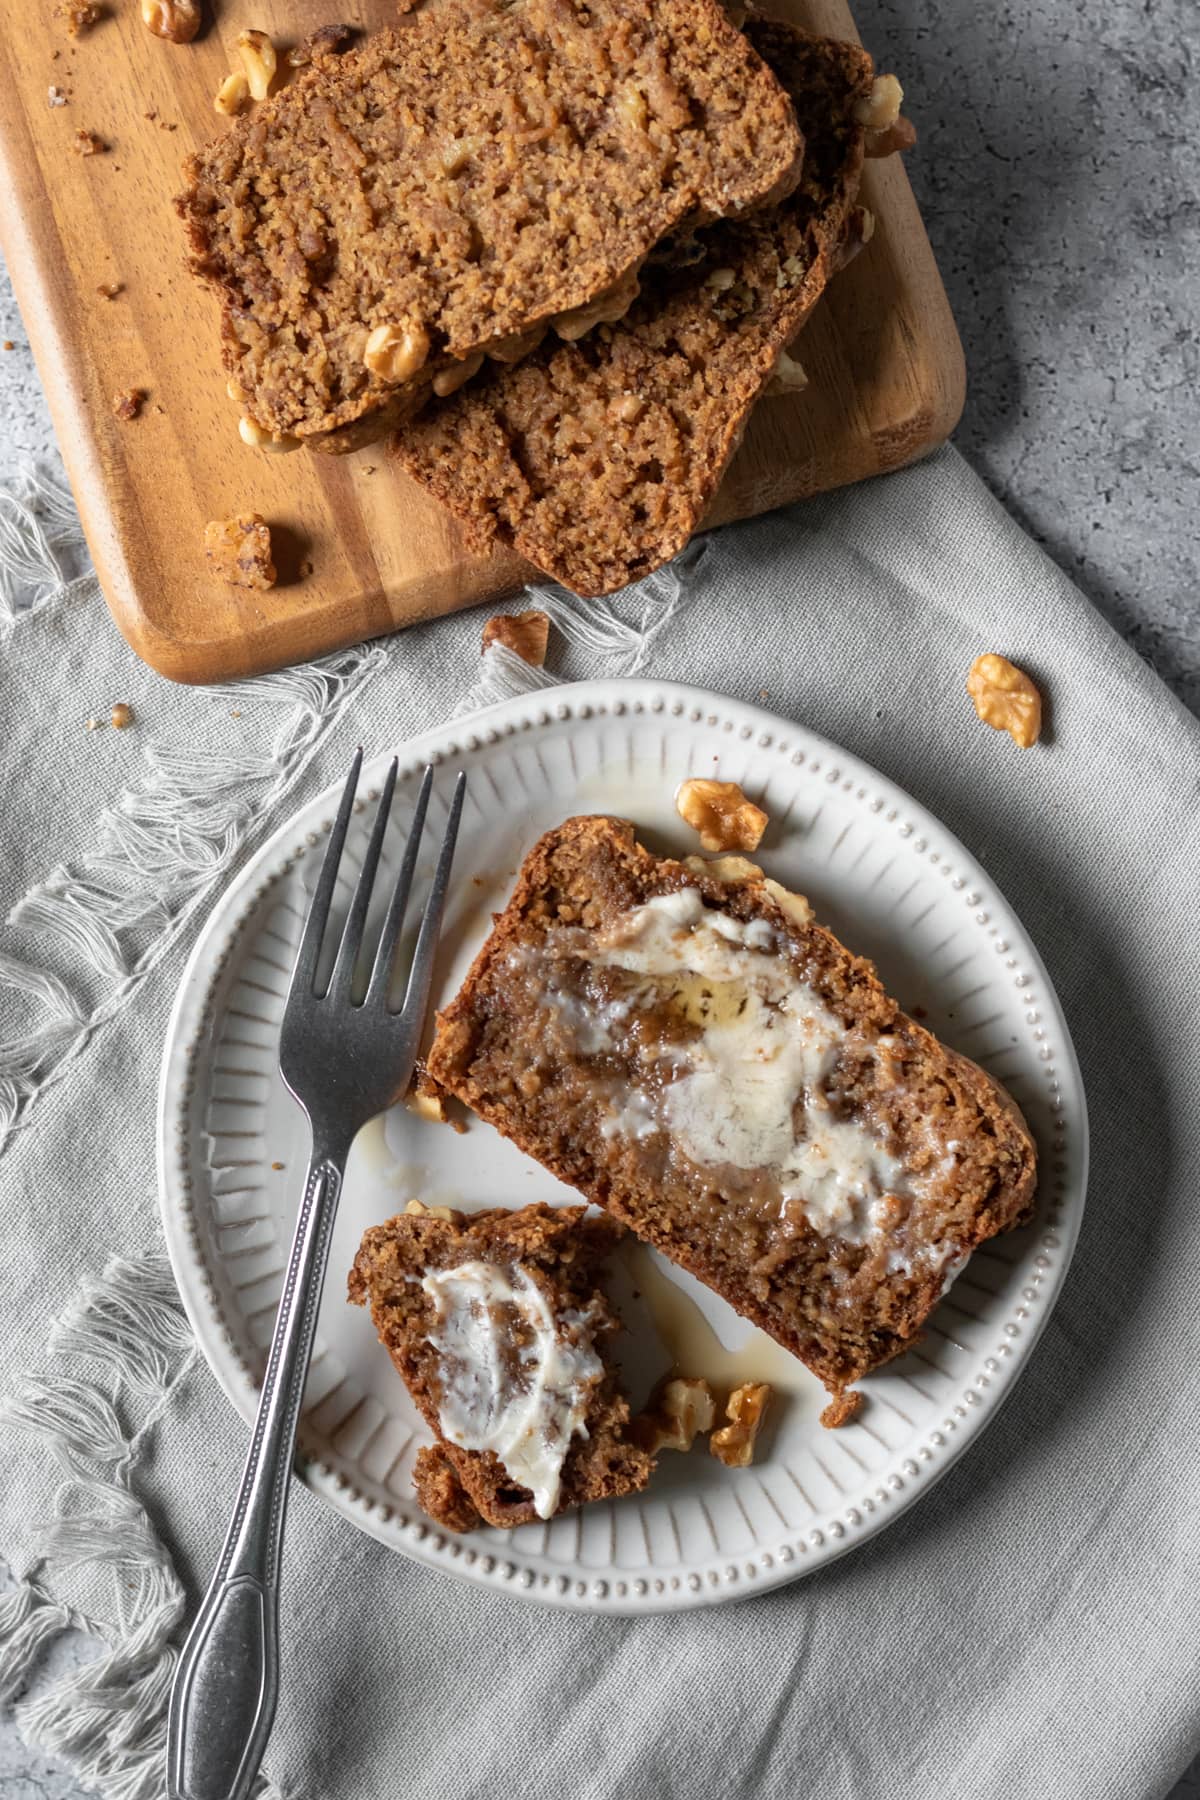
510	1383
747	1087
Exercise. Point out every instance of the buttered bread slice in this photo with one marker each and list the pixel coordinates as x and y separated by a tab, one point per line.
687	1046
461	183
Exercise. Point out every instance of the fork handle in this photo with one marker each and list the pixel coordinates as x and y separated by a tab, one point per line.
225	1688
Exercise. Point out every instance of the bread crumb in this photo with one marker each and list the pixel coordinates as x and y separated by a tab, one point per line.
91	724
56	96
122	716
841	1410
129	404
87	143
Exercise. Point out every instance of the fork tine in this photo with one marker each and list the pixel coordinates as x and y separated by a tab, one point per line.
385	955
304	975
416	995
342	979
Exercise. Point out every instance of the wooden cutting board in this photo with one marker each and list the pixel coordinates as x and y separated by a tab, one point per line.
882	354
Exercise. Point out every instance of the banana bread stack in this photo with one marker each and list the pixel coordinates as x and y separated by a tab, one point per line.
559	247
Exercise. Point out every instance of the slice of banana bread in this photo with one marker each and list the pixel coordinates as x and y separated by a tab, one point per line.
459	182
499	1324
691	1050
598	460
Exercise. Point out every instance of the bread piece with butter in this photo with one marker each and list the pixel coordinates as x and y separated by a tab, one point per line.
499	1325
687	1046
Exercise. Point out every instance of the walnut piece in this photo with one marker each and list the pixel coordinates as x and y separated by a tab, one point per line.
233	95
606	308
110	289
327	40
239	550
448	381
396	352
129	404
733	1444
258	439
793	906
1005	698
79	15
87	143
258	57
122	716
721	813
682	1408
788	377
902	135
526	634
724	868
176	20
880	109
417	1209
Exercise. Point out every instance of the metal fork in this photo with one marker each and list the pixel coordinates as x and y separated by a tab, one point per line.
344	1061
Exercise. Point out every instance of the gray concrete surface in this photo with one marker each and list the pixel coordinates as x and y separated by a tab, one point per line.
1057	174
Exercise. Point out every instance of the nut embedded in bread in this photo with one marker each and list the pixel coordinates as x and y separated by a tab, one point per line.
499	1325
718	1071
461	180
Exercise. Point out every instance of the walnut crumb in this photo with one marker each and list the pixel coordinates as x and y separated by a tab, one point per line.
239	550
129	404
79	16
277	1165
122	716
745	1409
8	344
721	813
842	1409
526	634
87	143
91	724
110	289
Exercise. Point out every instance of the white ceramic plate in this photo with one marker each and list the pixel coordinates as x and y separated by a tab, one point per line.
233	1148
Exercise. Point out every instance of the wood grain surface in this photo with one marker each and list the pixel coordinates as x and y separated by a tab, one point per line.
882	354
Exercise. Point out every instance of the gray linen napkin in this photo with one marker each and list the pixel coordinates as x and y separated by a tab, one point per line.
1030	1627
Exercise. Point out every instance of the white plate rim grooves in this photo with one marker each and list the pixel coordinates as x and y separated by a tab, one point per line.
1061	1193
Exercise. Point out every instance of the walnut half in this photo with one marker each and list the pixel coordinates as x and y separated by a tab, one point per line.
734	1443
721	813
683	1407
1005	698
